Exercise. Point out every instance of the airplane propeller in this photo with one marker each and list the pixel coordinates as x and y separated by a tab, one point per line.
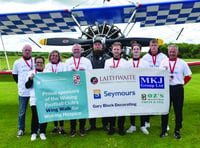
70	41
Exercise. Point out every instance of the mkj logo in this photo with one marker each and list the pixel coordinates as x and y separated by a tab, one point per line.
97	94
94	80
76	79
152	82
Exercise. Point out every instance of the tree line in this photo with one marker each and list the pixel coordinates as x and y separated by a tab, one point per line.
186	51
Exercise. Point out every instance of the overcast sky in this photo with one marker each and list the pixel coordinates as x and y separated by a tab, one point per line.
190	34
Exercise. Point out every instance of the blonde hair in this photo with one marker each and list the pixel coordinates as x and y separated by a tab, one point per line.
117	44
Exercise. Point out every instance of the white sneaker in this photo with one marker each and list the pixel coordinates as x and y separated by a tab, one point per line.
131	129
20	133
168	128
147	124
33	137
42	136
144	130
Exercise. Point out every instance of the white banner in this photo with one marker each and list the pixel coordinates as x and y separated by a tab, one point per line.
122	92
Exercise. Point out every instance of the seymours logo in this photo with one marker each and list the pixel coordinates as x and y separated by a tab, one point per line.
97	94
152	82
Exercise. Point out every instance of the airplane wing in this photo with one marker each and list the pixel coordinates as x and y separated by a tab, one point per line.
154	14
36	22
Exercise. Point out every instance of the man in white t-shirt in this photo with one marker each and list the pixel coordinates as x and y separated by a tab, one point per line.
179	75
20	71
154	57
77	63
116	62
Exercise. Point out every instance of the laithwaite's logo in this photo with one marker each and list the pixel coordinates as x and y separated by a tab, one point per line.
97	94
76	79
94	80
152	82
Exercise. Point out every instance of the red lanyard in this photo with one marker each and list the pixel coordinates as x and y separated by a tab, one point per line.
31	67
55	68
78	62
137	63
36	70
117	63
172	68
154	60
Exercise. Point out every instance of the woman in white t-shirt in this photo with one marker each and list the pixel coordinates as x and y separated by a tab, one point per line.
39	64
56	65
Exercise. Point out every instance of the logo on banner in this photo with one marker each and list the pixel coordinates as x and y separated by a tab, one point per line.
76	79
152	98
94	80
97	94
152	82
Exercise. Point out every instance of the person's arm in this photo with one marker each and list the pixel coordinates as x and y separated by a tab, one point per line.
29	83
187	79
15	77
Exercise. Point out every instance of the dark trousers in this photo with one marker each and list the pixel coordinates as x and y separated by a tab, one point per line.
92	122
61	123
120	122
177	99
147	118
35	124
81	124
142	120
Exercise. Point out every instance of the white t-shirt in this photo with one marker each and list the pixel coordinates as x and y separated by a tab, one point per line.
122	63
180	71
142	63
54	67
157	59
84	64
21	69
32	90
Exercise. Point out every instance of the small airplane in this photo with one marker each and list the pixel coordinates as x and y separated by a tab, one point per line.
100	22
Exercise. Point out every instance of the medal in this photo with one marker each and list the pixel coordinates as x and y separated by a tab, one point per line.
172	68
117	63
78	62
137	63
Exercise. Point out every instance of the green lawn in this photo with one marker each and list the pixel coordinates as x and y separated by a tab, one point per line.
99	138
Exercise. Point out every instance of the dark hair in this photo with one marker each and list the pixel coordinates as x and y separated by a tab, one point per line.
154	41
39	57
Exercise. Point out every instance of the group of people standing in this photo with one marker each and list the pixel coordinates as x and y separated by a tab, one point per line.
25	68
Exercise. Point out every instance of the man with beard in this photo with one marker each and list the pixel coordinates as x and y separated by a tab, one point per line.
97	58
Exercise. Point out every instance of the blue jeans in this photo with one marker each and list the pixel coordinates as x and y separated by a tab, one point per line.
23	101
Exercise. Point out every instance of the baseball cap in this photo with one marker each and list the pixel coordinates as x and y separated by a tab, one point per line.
99	41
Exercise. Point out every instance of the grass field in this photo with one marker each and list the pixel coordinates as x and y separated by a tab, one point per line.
99	138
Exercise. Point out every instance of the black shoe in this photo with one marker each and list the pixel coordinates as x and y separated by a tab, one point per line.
177	135
62	132
121	132
72	133
91	128
82	132
111	131
55	130
163	134
105	128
